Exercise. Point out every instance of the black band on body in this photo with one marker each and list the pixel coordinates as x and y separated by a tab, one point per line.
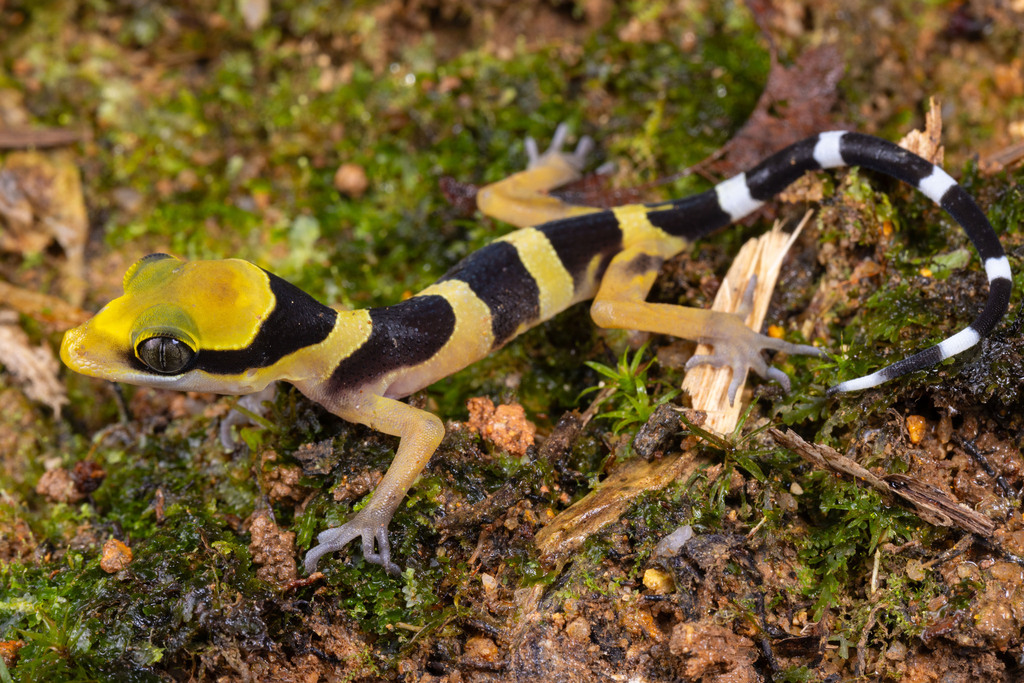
883	156
498	277
578	240
401	336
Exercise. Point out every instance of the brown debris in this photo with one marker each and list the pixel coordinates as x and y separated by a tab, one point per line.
316	458
505	426
462	196
350	180
254	12
34	368
281	482
947	664
579	630
9	651
353	488
658	581
714	653
915	428
58	486
598	638
336	652
272	549
115	556
557	445
16	540
480	652
1006	157
1009	78
87	475
653	437
998	612
159	505
25	137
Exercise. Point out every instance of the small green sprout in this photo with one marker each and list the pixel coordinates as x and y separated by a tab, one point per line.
628	382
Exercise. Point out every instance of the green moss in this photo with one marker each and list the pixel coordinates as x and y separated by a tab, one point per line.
852	523
188	574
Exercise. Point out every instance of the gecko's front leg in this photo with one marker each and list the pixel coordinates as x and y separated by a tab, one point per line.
421	433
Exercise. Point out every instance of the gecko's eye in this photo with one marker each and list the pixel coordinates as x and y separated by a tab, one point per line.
166	355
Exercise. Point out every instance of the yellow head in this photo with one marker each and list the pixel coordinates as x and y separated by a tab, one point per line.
221	326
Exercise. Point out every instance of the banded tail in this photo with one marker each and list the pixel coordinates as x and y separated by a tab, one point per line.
743	194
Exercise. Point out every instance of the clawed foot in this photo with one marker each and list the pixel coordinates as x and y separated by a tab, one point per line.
739	348
576	159
364	526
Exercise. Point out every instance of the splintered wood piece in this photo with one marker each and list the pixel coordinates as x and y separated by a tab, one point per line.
927	143
762	256
604	505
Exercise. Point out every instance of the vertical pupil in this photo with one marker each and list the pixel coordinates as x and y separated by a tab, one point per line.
165	354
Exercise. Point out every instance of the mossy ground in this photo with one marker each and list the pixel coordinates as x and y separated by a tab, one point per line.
211	139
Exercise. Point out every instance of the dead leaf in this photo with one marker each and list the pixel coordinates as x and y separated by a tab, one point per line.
33	368
52	312
41	201
795	104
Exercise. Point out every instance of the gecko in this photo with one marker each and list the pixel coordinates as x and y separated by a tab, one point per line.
231	327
